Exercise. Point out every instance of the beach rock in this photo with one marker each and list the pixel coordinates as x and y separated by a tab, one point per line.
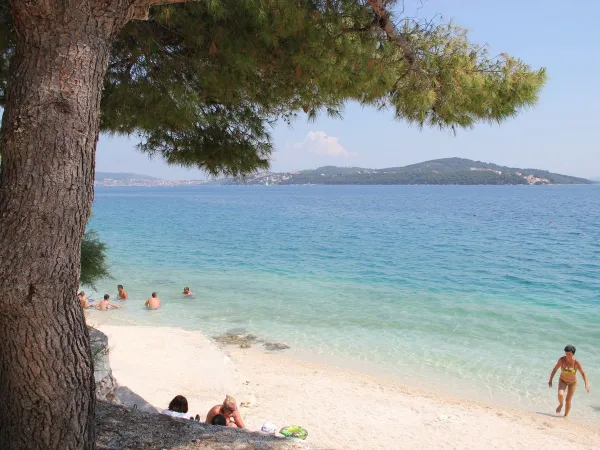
118	427
105	382
274	346
243	340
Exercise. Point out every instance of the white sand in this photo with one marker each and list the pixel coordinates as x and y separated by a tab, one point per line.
339	408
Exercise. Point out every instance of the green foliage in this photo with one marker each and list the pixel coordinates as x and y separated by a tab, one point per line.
94	266
201	82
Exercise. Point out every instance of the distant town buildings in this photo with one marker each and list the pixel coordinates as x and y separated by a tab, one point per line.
531	179
148	183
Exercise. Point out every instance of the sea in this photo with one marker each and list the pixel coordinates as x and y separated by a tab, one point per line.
470	290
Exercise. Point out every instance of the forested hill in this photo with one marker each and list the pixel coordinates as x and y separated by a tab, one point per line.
438	171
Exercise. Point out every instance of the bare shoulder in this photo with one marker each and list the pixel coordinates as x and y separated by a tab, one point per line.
212	412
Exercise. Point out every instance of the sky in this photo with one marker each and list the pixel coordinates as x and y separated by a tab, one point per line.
560	133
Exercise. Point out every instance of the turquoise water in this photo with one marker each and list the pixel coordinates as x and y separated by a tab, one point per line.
471	289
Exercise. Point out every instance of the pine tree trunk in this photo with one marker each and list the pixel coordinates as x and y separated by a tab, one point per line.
49	135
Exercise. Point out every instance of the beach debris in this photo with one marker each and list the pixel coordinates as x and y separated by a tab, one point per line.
274	346
295	431
442	418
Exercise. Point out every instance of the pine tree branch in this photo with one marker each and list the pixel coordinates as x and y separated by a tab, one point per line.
356	29
386	24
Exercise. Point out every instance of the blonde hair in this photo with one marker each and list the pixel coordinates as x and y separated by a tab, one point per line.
229	400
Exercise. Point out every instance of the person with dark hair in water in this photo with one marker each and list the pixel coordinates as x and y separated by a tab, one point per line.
177	408
220	420
567	381
122	295
153	302
105	305
83	301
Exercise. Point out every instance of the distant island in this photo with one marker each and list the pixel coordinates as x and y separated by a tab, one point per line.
446	171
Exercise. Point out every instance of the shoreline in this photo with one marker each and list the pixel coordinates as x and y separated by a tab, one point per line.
340	408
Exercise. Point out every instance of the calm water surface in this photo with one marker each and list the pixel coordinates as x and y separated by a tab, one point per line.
471	289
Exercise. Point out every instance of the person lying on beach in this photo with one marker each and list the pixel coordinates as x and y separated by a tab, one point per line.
122	295
229	410
568	378
83	301
105	305
177	408
186	291
153	302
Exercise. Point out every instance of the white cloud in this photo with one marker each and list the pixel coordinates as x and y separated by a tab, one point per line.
319	143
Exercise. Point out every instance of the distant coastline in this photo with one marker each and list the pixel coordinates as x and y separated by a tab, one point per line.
136	182
447	171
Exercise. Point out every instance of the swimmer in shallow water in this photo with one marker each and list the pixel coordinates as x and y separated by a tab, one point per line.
122	295
83	301
105	305
567	381
153	302
187	292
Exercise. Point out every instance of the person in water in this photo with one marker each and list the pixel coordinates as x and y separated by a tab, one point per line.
83	301
122	295
567	381
105	305
229	410
153	302
187	292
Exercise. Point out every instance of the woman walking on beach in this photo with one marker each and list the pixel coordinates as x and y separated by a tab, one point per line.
567	381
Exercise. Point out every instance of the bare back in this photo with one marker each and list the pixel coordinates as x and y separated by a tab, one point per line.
215	410
104	305
153	303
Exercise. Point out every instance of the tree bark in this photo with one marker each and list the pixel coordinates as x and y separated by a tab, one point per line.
49	135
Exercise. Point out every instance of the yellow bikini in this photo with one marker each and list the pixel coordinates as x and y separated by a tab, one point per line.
570	371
